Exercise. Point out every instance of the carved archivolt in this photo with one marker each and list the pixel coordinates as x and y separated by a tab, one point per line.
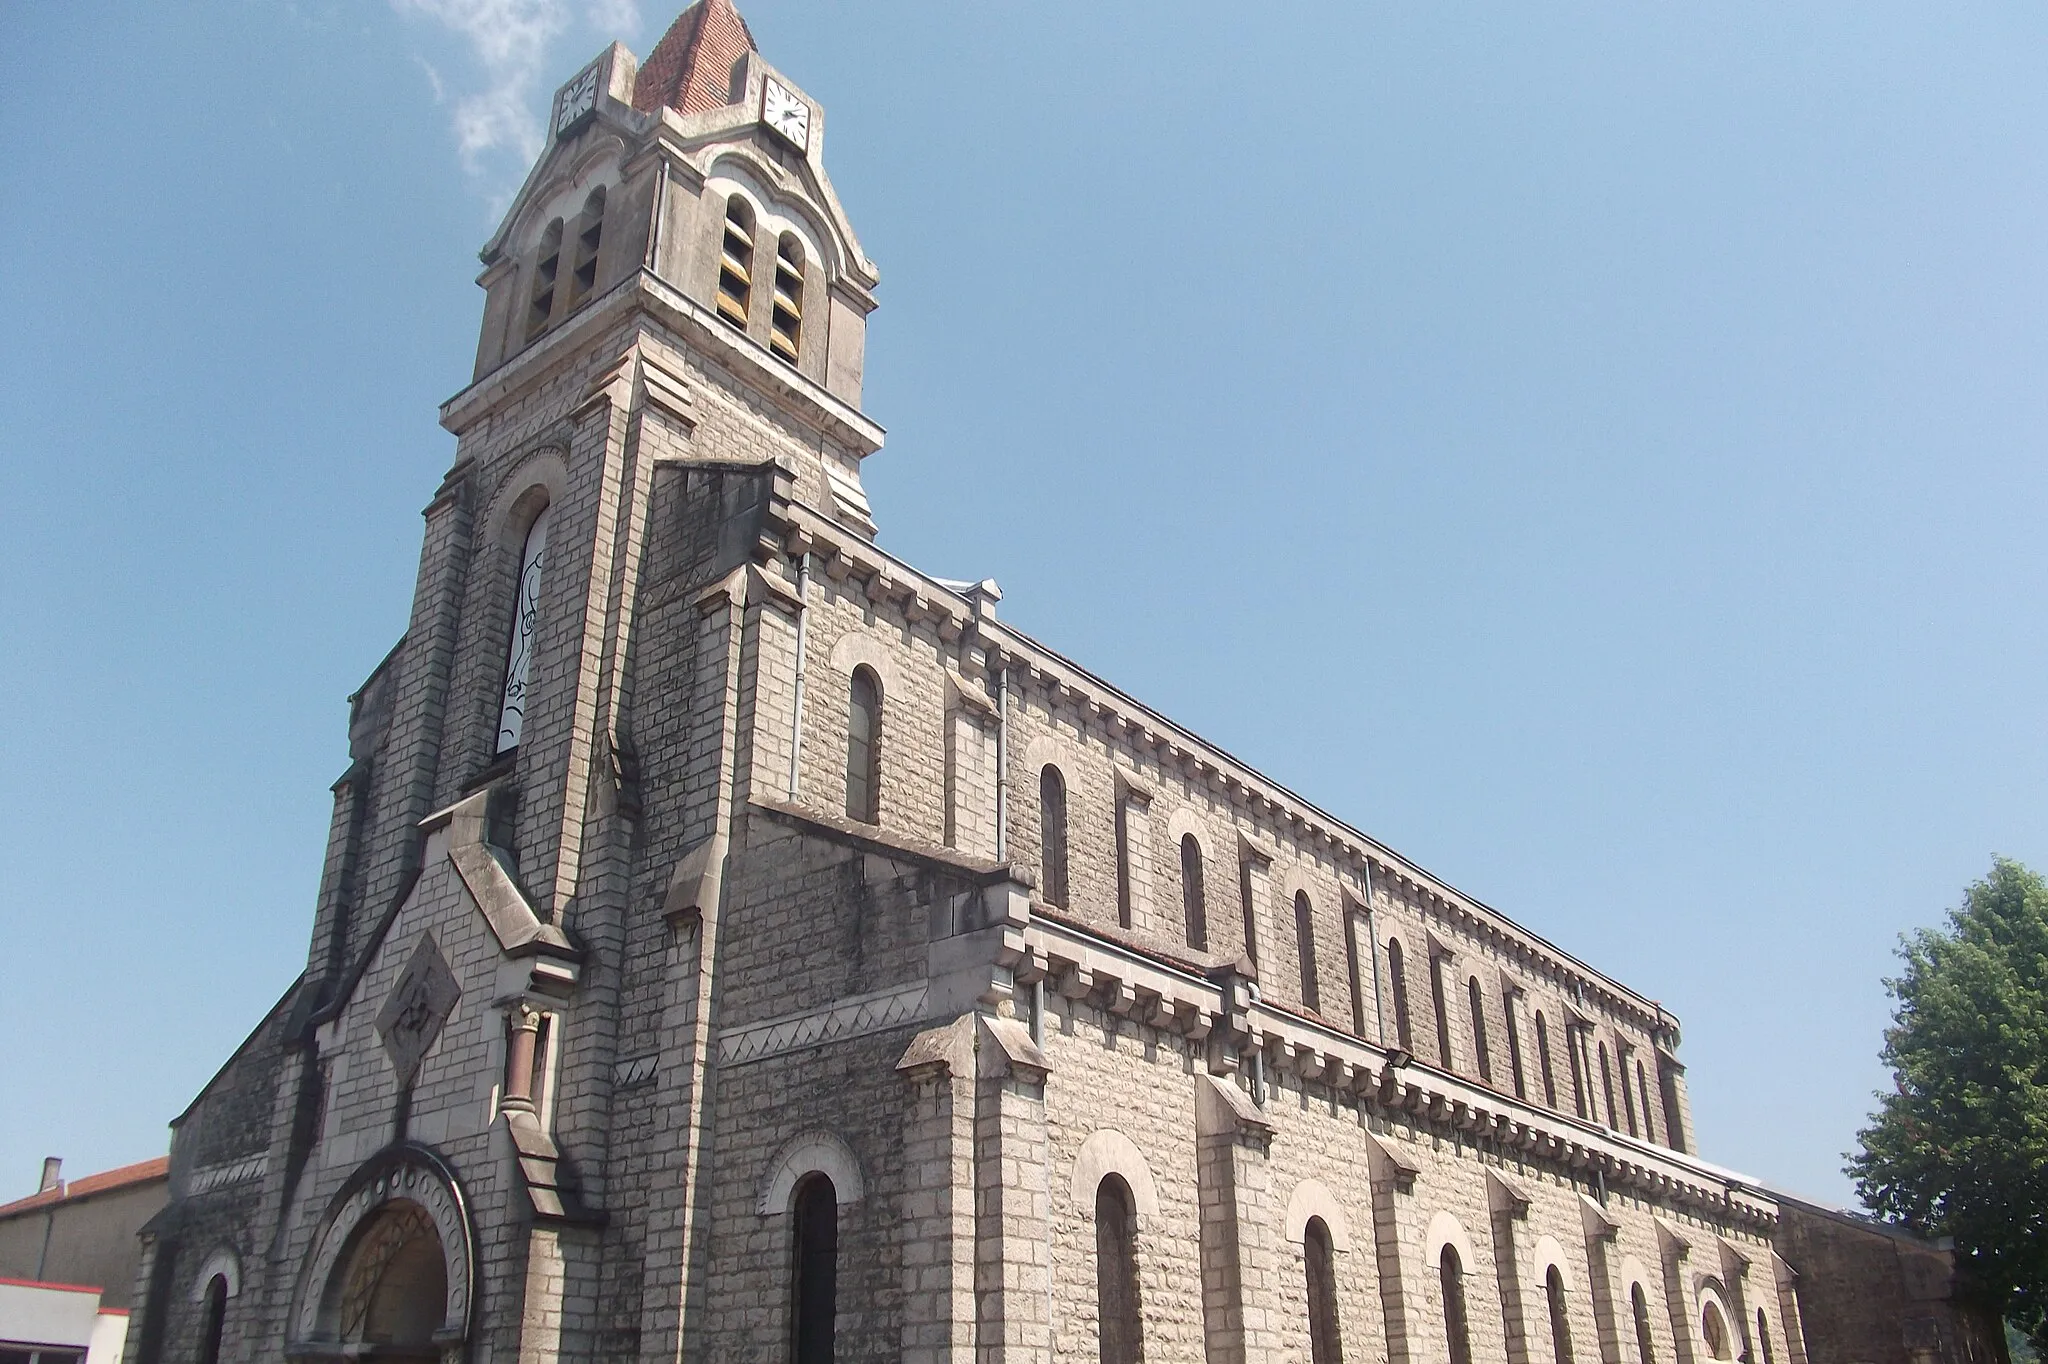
539	480
1311	1199
402	1207
1183	822
223	1263
811	1153
1109	1152
1550	1255
853	649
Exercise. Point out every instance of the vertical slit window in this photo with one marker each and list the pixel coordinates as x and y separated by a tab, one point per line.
1451	1277
525	629
1325	1344
547	264
1052	835
1560	1325
1119	1331
1543	1060
589	233
864	748
1194	906
1443	1014
736	263
1646	1348
1305	940
785	334
814	1276
1515	1069
1607	1086
1404	1033
1480	1050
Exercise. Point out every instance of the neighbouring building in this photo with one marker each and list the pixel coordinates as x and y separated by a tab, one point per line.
58	1323
737	944
83	1231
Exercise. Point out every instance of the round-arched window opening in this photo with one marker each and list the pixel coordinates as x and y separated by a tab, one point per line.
1119	1315
814	1287
1714	1330
216	1319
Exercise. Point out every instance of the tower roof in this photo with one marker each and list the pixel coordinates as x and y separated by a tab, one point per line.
690	69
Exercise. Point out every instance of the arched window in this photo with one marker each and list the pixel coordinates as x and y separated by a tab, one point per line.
1451	1273
589	233
1763	1336
1479	1046
736	263
217	1319
785	333
525	627
1325	1344
864	747
1714	1330
1305	940
1560	1327
1397	973
1194	904
1643	1088
1607	1087
1543	1060
547	264
1443	1014
1052	835
1515	1069
1120	1333
814	1269
1646	1348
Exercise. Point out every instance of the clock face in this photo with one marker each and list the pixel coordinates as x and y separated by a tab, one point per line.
789	116
578	98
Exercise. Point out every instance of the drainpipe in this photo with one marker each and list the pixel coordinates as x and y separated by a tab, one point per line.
1379	1008
803	604
1002	762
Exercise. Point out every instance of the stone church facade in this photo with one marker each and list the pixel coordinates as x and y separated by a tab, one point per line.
736	944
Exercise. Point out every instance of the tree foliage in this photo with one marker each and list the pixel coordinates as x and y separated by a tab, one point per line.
1961	1147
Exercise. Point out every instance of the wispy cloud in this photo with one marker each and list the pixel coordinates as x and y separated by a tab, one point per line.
512	45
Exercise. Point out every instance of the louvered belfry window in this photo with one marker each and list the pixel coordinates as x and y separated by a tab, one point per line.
546	266
785	335
589	235
525	625
736	263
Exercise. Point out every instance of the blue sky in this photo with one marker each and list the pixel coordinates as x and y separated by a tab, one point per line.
1596	449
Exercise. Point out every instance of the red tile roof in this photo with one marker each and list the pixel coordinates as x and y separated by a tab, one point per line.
691	68
139	1173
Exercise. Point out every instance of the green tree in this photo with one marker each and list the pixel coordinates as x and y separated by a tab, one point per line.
1961	1147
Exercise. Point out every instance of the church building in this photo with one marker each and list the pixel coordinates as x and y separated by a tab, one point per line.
735	944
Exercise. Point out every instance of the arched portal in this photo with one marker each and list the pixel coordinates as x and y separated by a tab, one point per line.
392	1289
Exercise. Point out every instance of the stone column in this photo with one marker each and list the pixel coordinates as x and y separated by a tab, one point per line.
1013	1267
1393	1180
1507	1206
1600	1230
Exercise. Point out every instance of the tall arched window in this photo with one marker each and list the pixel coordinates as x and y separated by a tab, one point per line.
1325	1343
1607	1087
1305	940
1714	1330
1397	974
547	264
1646	1348
1193	901
1543	1060
736	263
1451	1274
216	1321
1763	1336
785	332
814	1269
1443	1014
589	233
1120	1333
525	628
1052	835
1560	1326
1483	1053
864	747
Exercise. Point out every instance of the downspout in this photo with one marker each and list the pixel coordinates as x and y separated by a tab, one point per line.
1372	932
796	722
1002	762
